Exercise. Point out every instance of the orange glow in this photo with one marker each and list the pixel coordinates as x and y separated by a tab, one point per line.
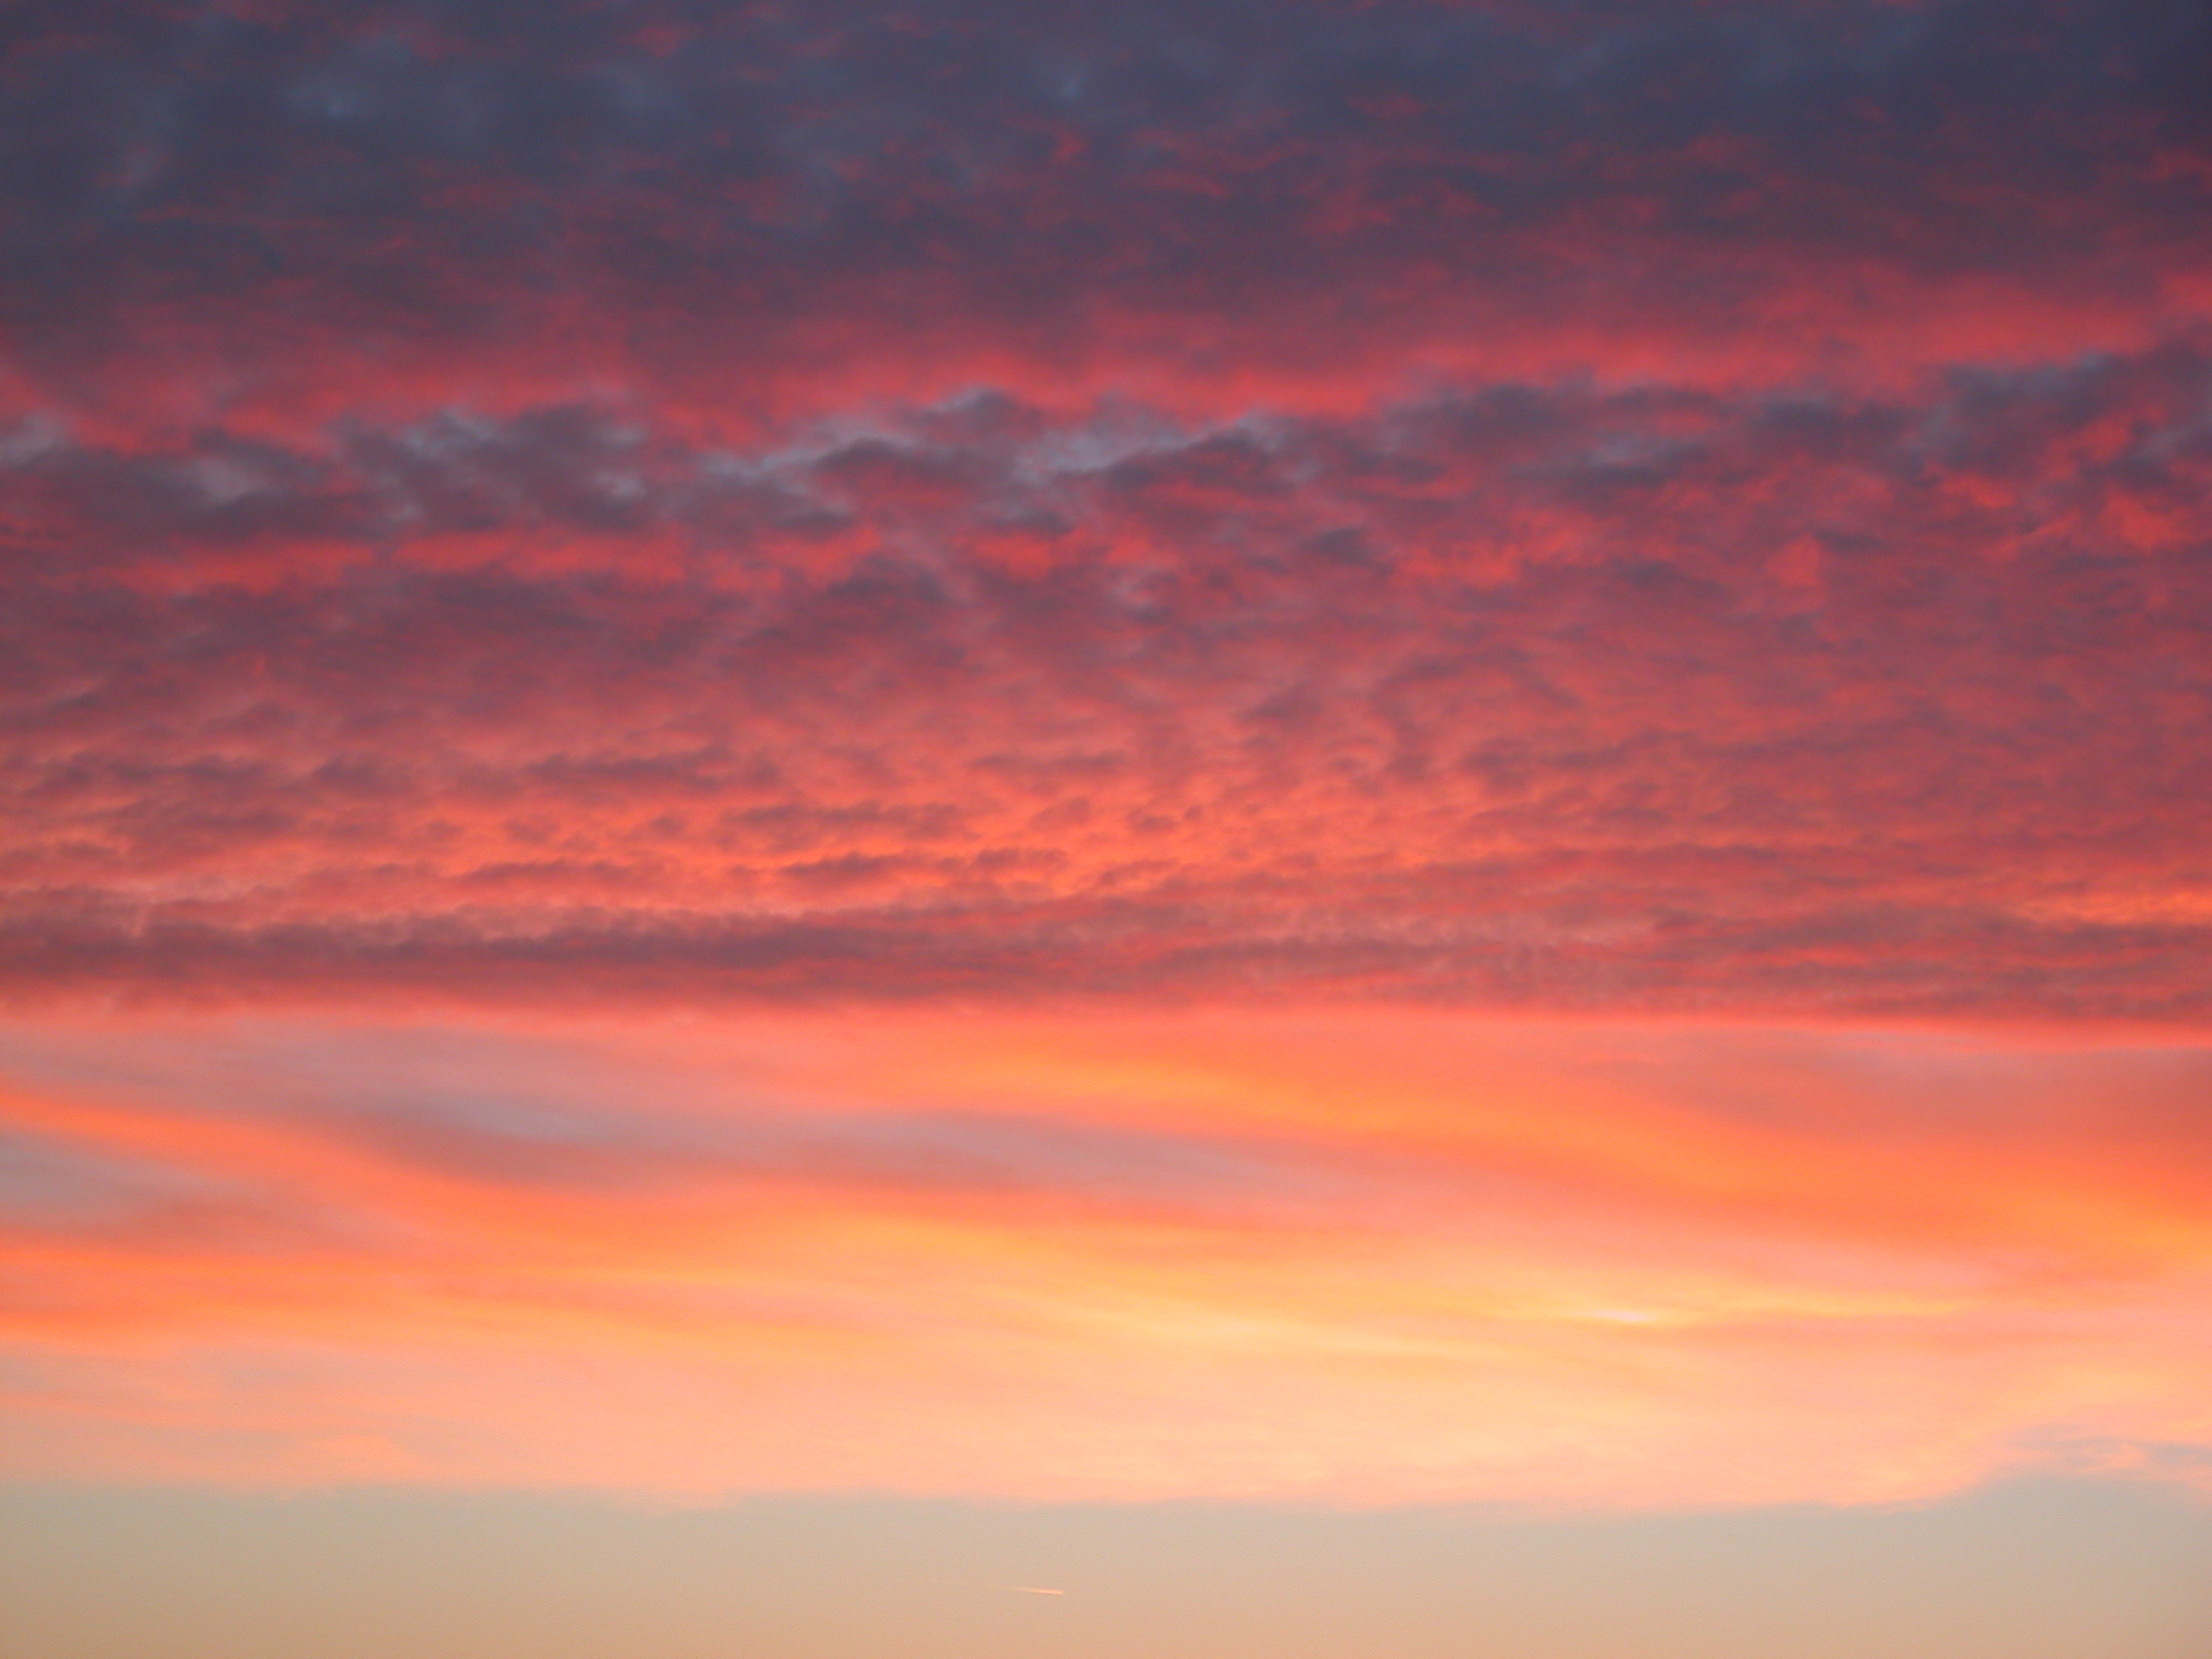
1374	1257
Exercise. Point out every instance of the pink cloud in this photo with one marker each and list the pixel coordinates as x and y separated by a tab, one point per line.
1378	1257
1510	694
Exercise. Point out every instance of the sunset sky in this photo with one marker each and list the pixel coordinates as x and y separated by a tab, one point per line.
1378	828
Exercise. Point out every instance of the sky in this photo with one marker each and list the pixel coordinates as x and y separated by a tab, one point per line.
1376	828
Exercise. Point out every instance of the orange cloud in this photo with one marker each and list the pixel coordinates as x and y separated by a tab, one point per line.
1371	1257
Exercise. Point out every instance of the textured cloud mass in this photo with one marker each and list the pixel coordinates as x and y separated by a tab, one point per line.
1556	506
1562	694
925	540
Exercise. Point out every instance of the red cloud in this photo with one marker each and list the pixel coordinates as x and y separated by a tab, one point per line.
1513	694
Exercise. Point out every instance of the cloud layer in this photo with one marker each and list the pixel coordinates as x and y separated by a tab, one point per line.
1555	506
1376	1258
869	198
1516	695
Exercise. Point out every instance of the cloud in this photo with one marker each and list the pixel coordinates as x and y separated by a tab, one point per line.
1376	1257
901	522
1537	695
293	213
1528	506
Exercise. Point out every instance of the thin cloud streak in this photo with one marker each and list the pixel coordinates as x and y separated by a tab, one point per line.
1393	1258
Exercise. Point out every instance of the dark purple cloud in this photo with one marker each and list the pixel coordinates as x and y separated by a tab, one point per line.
237	203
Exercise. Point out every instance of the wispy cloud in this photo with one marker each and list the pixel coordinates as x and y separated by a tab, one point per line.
1387	1257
